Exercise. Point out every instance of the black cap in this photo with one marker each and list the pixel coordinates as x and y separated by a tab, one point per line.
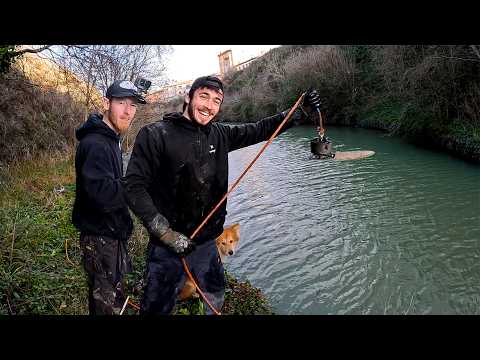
124	88
206	81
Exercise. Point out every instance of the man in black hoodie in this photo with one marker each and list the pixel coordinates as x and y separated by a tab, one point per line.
177	173
100	210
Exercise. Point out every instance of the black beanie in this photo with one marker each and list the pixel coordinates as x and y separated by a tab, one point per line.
206	81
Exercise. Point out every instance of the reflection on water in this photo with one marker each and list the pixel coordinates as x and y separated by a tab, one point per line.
396	233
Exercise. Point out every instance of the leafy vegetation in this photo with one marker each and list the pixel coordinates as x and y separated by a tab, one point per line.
40	258
424	93
7	57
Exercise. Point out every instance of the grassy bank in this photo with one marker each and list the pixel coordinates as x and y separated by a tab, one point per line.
36	236
40	259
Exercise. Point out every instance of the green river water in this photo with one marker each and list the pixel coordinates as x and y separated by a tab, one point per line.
396	233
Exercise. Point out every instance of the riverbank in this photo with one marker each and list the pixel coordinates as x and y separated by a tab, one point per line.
427	94
459	144
40	259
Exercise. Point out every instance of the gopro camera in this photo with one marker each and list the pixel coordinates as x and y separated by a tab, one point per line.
143	85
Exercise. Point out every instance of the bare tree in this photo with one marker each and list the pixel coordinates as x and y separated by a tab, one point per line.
102	64
475	50
23	50
97	66
9	54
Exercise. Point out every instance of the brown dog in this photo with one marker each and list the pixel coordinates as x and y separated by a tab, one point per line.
226	244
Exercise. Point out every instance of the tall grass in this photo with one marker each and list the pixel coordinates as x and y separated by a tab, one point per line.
37	236
40	258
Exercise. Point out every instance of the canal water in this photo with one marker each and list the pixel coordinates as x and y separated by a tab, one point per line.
396	233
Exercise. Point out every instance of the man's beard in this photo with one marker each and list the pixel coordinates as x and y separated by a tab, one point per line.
190	112
120	126
192	116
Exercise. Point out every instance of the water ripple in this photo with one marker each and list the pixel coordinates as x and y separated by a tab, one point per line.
392	234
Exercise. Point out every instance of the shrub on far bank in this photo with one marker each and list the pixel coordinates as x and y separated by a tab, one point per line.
438	85
284	75
411	90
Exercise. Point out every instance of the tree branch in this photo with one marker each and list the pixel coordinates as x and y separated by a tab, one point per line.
454	57
23	51
475	50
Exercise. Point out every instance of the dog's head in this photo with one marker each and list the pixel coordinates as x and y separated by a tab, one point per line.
228	241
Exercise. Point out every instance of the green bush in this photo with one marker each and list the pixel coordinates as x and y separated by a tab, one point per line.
7	57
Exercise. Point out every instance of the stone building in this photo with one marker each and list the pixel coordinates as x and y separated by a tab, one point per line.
226	65
168	92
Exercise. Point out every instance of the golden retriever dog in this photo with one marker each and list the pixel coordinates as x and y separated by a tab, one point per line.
226	244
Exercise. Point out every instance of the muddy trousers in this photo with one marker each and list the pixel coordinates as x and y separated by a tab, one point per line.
165	277
106	262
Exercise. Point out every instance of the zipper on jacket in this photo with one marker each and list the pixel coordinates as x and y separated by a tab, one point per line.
200	147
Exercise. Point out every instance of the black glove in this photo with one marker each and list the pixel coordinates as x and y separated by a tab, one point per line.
178	242
312	99
307	110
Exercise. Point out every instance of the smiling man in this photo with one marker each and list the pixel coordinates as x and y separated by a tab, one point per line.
177	173
100	210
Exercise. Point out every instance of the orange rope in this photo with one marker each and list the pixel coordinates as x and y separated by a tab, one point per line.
231	189
249	166
225	197
185	267
136	307
321	131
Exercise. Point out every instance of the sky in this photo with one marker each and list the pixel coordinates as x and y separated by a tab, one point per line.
187	62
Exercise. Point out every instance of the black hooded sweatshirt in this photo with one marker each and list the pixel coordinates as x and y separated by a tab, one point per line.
100	206
180	170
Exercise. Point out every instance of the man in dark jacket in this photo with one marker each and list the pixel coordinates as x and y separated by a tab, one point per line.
177	173
100	210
